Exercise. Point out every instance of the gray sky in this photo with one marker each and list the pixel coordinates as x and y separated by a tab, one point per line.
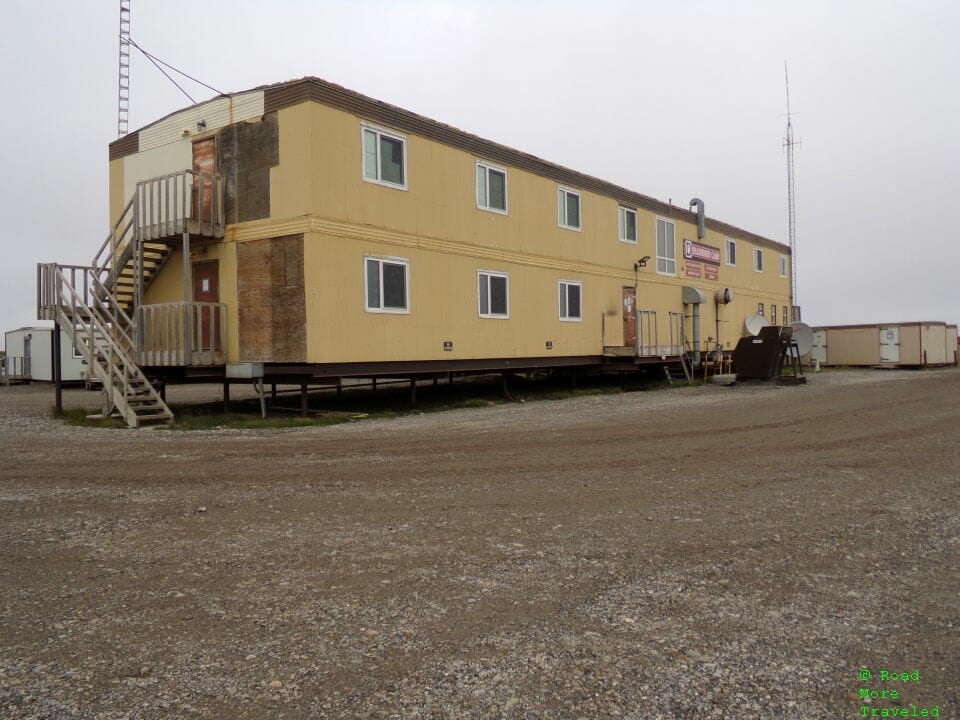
674	99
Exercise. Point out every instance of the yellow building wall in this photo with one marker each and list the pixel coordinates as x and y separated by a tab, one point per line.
317	189
436	225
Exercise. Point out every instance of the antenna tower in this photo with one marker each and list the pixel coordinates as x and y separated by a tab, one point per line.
789	144
123	99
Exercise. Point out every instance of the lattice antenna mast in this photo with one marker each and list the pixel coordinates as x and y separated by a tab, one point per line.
123	97
789	143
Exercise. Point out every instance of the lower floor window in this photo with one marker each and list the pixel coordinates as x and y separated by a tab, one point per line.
387	285
493	294
570	293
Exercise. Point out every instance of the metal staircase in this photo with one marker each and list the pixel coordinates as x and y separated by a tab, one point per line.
96	304
100	331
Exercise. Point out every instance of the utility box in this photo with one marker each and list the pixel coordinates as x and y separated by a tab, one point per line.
244	371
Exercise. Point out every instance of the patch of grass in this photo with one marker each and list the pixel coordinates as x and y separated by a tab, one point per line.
78	418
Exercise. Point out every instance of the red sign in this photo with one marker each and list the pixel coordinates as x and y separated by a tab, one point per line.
711	272
704	253
693	269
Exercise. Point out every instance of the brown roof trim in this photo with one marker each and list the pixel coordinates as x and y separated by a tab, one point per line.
873	326
127	145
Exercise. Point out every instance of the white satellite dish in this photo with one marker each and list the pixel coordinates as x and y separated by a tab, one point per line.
803	337
754	324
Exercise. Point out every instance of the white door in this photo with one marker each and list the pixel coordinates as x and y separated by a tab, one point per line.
818	351
890	344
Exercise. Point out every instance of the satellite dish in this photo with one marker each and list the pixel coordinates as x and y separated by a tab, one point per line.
803	337
754	324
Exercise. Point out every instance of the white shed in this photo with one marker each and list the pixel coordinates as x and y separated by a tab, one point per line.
30	356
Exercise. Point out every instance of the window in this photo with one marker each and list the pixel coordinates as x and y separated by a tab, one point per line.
491	188
628	225
570	308
666	248
384	157
568	209
731	252
783	266
773	314
493	295
758	260
387	285
759	308
784	314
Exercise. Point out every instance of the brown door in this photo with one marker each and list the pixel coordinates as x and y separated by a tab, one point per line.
629	316
204	161
206	289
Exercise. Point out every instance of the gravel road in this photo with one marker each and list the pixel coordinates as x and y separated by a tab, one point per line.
691	553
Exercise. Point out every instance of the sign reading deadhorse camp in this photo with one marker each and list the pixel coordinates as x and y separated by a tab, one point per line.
704	253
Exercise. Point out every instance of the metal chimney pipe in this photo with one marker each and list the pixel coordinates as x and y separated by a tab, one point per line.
701	217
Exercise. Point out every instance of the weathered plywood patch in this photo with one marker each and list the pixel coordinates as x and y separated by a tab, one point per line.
245	153
270	300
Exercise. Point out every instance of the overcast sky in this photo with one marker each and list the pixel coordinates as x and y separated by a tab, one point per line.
674	99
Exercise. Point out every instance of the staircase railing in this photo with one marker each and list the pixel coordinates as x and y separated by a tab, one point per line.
184	201
98	328
117	248
182	334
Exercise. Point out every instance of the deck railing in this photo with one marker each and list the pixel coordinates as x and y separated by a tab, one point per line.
13	368
182	334
185	201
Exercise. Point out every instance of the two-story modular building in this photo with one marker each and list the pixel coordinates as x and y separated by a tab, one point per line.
326	234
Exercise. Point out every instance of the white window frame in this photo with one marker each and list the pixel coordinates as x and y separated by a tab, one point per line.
564	299
487	167
382	132
731	244
660	257
783	266
622	221
488	274
380	260
785	318
564	192
758	260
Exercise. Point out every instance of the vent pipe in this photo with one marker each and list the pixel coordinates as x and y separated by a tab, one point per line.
701	217
696	297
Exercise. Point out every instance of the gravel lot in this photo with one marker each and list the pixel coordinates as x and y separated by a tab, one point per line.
693	553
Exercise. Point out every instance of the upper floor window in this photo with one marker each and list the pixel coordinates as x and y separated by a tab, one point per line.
570	293
773	314
731	252
384	157
758	259
784	314
568	208
759	308
783	266
666	248
493	297
387	285
628	225
491	188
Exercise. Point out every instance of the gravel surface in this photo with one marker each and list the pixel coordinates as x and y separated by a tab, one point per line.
693	553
